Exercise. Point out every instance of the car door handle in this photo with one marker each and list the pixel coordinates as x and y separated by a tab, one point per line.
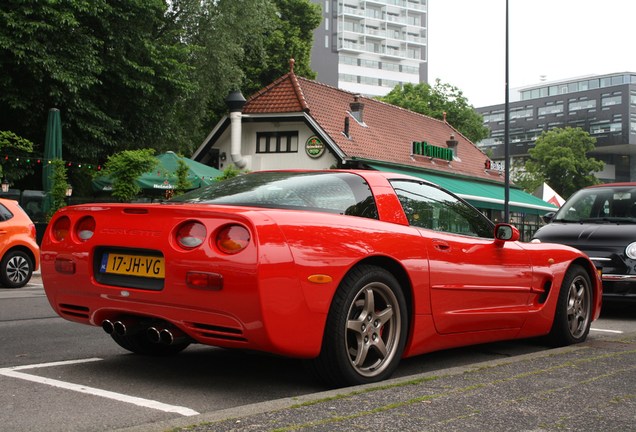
441	245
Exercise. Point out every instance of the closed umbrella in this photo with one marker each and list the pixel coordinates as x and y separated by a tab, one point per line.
52	146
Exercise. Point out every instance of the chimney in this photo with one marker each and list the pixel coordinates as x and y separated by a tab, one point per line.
452	144
235	102
356	108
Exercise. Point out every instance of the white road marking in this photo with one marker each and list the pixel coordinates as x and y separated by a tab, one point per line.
13	372
607	331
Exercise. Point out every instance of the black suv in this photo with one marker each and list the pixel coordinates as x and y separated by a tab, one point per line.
601	222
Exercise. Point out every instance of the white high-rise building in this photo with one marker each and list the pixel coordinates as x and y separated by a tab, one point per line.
370	46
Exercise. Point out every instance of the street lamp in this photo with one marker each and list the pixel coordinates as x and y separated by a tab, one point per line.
507	132
69	190
5	185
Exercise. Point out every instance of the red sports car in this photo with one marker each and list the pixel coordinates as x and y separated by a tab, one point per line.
351	270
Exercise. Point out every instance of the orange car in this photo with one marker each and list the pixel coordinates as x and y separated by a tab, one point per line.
19	252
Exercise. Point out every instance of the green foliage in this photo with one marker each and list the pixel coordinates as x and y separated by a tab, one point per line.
16	146
125	168
229	172
289	35
141	73
437	100
183	184
59	184
559	158
113	70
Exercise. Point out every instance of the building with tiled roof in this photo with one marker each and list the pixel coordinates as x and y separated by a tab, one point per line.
299	123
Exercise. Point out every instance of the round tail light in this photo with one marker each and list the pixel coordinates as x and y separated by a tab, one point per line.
85	228
61	228
232	239
191	235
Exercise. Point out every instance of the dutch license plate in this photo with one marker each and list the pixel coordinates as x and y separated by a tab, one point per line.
133	265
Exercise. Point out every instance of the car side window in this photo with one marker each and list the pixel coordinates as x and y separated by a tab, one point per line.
5	214
427	206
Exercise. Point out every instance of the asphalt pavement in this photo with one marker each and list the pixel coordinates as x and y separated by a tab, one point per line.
586	387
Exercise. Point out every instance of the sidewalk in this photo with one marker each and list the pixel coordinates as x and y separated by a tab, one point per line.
586	387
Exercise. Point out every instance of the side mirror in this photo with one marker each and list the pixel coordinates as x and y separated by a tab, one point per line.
506	232
547	218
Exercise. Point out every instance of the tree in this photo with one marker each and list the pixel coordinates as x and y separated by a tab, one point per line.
437	100
59	184
229	172
15	146
560	159
125	168
183	184
289	36
114	69
140	73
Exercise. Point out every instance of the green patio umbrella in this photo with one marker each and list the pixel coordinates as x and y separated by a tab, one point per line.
52	146
164	176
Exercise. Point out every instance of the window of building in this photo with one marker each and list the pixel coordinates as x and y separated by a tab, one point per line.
391	66
581	105
369	80
605	127
521	113
552	109
389	83
494	116
277	142
410	69
414	53
373	64
344	59
348	78
611	100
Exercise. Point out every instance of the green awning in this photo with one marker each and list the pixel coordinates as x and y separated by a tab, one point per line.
481	194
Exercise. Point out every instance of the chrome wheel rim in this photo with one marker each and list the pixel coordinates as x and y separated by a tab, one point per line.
579	303
373	329
18	269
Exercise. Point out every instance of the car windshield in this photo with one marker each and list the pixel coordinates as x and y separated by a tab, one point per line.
600	205
331	192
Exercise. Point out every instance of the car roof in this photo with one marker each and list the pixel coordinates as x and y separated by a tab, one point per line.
623	184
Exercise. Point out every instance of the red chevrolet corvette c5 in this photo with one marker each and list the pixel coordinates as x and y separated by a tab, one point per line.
350	270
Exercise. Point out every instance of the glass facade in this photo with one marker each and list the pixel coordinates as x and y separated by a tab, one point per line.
604	106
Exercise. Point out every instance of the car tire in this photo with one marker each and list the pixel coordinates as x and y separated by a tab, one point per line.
139	343
16	269
573	315
366	329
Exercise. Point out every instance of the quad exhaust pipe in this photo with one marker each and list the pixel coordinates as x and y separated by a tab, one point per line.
165	336
158	335
119	327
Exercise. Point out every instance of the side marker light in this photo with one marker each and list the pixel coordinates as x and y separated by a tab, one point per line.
320	279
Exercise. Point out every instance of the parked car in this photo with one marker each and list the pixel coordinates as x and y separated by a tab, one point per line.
351	270
601	222
18	248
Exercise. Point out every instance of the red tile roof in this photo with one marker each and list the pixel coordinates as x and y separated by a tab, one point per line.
387	131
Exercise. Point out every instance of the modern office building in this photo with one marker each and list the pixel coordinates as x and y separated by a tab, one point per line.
370	46
603	105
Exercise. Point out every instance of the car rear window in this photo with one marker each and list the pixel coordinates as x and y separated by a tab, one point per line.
337	192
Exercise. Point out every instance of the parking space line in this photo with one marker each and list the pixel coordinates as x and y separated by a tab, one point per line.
13	372
607	331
